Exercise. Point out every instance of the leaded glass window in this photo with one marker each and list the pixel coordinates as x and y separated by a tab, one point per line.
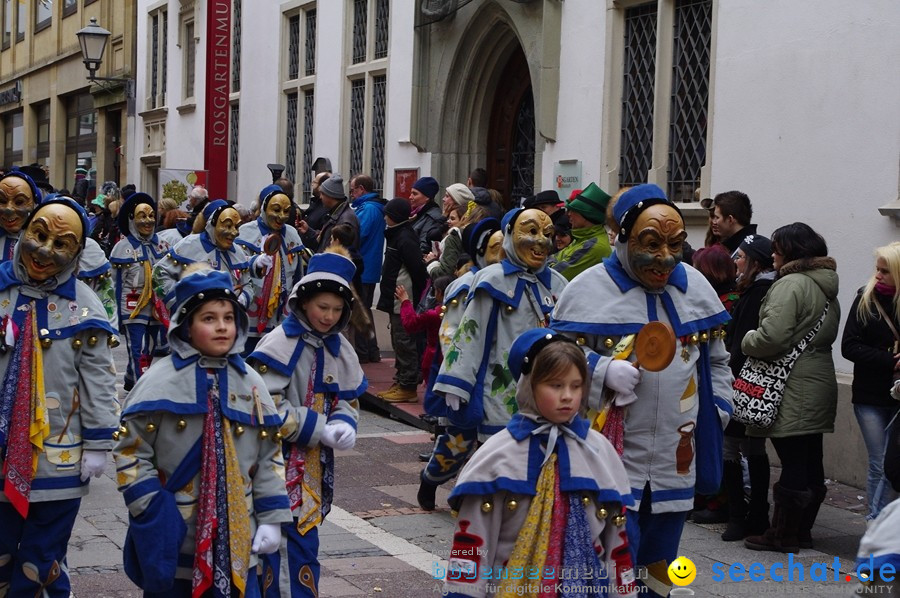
382	14
233	142
357	125
236	47
308	105
190	60
290	142
154	59
310	42
522	158
638	94
690	95
294	47
360	22
379	103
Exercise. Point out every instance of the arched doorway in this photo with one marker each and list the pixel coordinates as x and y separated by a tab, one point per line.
511	134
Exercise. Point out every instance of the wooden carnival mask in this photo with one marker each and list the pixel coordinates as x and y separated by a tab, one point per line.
51	242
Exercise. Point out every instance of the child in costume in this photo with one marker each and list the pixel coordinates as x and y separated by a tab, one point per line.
199	456
314	376
57	406
213	245
542	502
274	272
142	317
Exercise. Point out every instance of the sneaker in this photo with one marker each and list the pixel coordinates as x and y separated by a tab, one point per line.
401	395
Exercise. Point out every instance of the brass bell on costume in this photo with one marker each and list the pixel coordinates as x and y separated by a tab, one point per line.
181	425
92	341
239	430
486	507
602	513
76	344
151	427
512	505
46	342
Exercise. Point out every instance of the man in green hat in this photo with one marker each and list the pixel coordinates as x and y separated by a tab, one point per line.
590	244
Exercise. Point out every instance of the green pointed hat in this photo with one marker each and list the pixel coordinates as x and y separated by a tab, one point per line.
590	203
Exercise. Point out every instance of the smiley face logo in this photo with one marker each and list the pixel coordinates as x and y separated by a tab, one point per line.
682	571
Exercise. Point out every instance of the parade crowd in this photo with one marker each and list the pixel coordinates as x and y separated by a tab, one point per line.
585	368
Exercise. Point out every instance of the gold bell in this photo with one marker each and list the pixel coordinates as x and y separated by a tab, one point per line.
509	309
608	343
454	302
619	520
239	430
263	434
704	337
511	505
92	341
46	342
585	500
115	435
602	513
123	431
76	344
486	507
580	341
262	369
181	425
112	341
279	436
694	339
151	427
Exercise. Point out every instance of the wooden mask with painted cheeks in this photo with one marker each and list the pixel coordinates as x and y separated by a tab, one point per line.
226	228
51	242
533	237
16	202
655	245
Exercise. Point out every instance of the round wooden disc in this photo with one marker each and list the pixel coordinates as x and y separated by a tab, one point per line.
272	244
654	346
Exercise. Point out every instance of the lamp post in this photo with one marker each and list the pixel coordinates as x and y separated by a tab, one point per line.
93	40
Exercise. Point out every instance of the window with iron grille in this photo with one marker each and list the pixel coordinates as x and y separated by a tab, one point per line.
294	47
290	142
662	128
158	59
379	105
308	112
637	94
382	14
233	142
357	125
690	96
236	47
360	24
189	49
310	42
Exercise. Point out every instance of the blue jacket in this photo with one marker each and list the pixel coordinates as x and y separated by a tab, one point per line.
370	212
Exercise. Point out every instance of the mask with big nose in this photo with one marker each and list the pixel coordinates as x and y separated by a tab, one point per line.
226	228
532	237
16	202
277	211
144	219
655	245
51	241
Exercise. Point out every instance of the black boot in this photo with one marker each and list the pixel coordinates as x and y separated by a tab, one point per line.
757	521
733	481
782	536
808	519
426	495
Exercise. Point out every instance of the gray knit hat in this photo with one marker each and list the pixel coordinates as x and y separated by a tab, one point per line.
333	187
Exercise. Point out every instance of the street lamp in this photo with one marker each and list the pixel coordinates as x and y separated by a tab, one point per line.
92	40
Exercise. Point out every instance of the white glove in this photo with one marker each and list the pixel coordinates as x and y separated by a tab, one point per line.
452	401
622	376
267	538
339	435
93	463
263	264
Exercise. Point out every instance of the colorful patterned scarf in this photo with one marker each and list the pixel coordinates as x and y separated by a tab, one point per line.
24	422
223	521
270	297
147	290
310	512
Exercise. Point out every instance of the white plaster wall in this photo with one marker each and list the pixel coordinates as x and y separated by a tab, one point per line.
398	151
806	121
581	74
330	137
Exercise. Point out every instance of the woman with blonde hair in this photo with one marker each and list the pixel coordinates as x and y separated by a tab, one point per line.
871	342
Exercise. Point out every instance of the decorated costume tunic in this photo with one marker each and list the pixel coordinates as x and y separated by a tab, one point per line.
530	519
672	433
268	308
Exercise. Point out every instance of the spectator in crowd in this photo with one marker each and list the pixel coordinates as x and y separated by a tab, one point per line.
590	244
403	266
425	214
753	267
477	178
546	201
484	199
369	209
872	343
338	210
731	217
562	232
316	214
197	201
805	288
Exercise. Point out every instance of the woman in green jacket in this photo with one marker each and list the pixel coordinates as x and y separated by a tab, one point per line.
806	282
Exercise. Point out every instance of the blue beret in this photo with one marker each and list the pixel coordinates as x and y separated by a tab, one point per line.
636	195
267	192
509	219
213	207
527	345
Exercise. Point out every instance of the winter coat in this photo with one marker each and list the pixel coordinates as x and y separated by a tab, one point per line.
791	308
369	209
588	248
451	249
870	346
340	214
428	223
402	262
744	318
